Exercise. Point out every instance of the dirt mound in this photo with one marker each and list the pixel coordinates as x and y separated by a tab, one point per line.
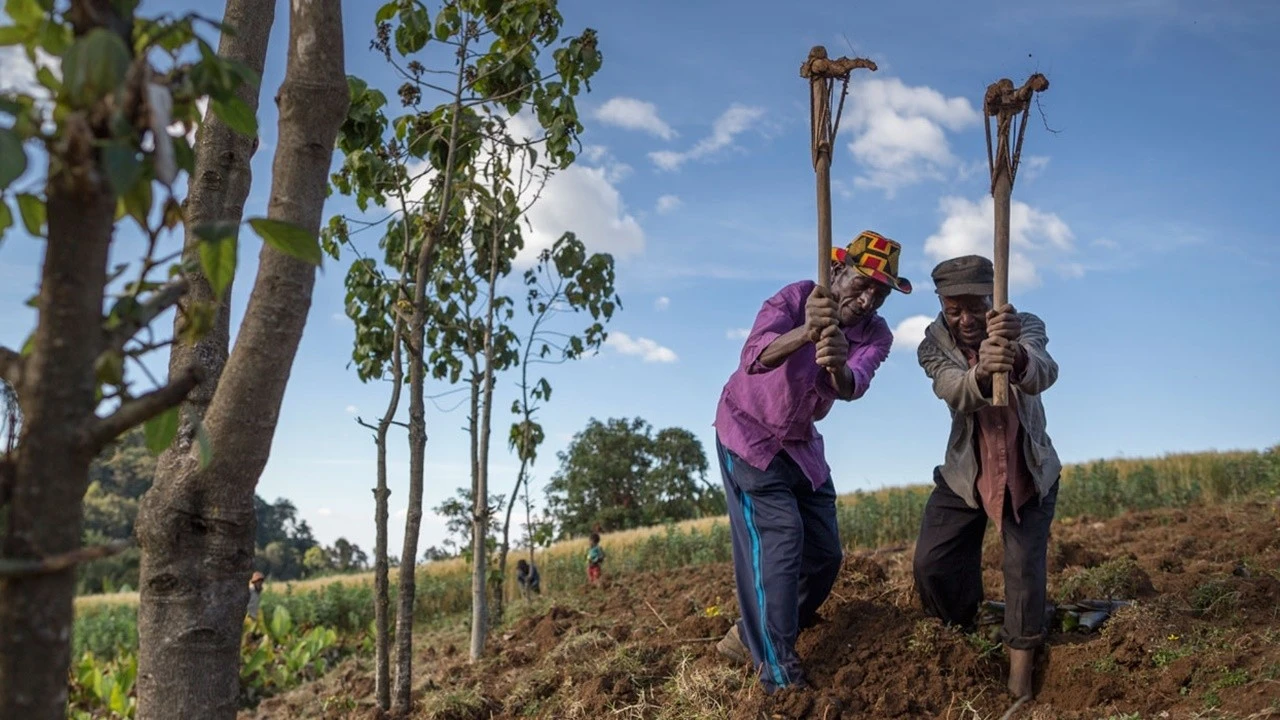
1201	637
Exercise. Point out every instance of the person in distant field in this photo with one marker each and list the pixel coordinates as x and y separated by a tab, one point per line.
527	578
255	596
595	558
1000	464
809	347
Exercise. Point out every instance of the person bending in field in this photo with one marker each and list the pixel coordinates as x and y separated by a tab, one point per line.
809	347
1000	464
527	578
595	558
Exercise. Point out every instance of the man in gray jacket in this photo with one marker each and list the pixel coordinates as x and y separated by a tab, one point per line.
1000	464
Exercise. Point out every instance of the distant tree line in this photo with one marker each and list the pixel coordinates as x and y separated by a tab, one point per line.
285	548
615	475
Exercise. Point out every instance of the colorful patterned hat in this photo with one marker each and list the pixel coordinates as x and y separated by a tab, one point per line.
875	256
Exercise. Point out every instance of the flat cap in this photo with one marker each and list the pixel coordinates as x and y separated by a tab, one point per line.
965	275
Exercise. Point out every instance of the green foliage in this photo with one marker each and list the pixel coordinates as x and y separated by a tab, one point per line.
103	688
105	630
618	475
279	655
122	111
125	470
456	512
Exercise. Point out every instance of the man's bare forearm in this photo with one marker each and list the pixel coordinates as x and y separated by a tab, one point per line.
842	381
782	347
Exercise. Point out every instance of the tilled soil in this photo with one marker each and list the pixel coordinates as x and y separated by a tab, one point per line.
1202	639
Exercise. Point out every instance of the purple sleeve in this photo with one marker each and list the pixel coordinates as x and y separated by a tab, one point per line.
776	318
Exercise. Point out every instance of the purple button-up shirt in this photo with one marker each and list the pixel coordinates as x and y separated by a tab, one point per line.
763	410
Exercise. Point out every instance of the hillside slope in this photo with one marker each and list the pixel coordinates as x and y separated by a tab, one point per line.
1202	640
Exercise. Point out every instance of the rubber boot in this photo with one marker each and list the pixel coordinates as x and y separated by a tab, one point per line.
1021	671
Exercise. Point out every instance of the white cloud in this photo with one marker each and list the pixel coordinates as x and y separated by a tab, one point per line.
324	512
732	122
737	333
633	114
1036	239
17	74
900	132
644	348
582	199
668	203
662	303
909	332
352	409
1031	167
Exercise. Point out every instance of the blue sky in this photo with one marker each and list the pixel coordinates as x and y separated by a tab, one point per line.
1143	229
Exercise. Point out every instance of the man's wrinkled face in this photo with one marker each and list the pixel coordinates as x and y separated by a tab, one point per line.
856	294
966	318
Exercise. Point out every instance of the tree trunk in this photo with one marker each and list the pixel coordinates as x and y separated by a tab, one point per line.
480	504
57	395
196	526
499	598
380	571
402	702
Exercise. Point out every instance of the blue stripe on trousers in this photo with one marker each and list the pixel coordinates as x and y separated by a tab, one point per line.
770	653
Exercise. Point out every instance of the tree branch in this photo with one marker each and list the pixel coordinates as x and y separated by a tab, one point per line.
134	412
159	301
13	568
10	366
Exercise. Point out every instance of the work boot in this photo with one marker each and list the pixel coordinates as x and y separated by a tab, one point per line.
731	646
1021	671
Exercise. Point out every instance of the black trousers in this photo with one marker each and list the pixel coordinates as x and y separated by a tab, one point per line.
948	563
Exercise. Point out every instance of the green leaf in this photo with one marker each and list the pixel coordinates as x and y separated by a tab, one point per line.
48	79
386	12
6	218
54	37
13	159
24	12
161	430
12	35
137	203
218	262
94	66
124	170
237	114
33	213
288	239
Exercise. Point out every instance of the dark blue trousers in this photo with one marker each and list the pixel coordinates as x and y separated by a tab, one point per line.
786	555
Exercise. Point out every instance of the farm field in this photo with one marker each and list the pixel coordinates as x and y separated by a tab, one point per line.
1201	640
1192	538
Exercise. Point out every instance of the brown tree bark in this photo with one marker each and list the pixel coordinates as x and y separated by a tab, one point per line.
402	699
43	481
382	598
51	471
196	526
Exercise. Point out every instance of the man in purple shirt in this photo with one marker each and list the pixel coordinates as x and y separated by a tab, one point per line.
808	347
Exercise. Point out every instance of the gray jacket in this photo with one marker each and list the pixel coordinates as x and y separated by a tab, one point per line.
955	383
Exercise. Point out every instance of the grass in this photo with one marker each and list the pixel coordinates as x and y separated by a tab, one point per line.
1118	578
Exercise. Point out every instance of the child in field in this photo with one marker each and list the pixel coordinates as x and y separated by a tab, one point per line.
595	557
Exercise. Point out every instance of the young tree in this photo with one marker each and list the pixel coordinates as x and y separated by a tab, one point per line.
565	281
104	126
196	524
496	51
